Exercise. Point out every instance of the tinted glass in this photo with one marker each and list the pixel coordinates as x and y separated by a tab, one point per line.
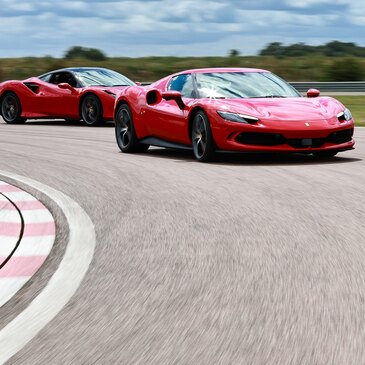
45	78
101	77
183	84
243	85
63	77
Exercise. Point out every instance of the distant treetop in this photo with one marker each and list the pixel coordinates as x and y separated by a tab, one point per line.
331	49
92	54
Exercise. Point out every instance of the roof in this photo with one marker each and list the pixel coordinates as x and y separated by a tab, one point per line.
222	69
75	69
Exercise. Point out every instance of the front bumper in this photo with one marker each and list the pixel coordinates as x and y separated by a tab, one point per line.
290	137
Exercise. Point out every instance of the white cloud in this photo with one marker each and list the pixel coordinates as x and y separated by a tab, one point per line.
309	3
74	5
170	27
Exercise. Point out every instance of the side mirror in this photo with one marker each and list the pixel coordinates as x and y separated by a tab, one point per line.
155	96
174	95
313	93
138	83
66	86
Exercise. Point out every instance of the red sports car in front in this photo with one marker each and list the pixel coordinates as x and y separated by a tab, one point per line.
75	93
230	109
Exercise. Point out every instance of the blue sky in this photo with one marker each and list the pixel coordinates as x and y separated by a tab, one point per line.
174	27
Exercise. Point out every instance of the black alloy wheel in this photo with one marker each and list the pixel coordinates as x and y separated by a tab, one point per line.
124	131
11	109
91	110
202	138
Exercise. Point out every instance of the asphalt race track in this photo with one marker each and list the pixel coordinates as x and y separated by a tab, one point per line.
249	260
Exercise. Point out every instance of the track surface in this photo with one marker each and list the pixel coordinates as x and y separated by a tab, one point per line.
250	260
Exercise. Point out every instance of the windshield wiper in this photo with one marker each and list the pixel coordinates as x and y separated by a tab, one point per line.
120	85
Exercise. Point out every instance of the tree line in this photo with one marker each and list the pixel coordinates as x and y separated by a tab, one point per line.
331	49
313	66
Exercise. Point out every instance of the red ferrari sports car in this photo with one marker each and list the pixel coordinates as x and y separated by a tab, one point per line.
230	109
86	93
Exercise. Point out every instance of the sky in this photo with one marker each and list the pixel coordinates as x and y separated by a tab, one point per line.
138	28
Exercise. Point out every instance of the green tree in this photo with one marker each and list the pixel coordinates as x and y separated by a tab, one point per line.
346	69
92	54
233	53
338	49
331	49
273	49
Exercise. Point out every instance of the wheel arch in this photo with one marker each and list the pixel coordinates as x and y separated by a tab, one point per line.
4	93
119	103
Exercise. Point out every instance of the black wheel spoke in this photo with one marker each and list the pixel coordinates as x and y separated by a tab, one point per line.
199	136
126	138
202	146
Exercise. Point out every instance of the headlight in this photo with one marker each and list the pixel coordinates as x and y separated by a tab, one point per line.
345	115
236	117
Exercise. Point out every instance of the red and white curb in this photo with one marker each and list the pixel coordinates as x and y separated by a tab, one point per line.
64	281
27	234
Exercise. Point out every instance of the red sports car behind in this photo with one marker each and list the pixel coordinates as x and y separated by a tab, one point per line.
86	93
230	109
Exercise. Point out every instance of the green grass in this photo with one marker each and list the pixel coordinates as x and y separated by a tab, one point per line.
305	68
356	104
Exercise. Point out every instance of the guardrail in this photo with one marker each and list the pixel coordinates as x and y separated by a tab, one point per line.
346	86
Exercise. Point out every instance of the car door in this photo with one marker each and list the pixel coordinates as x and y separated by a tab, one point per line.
166	120
57	102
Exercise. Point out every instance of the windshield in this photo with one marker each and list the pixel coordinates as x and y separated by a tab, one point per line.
243	85
102	77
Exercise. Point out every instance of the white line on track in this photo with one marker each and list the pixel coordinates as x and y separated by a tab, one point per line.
64	282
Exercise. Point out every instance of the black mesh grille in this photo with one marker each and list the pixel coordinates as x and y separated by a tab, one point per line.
341	136
308	142
261	139
274	139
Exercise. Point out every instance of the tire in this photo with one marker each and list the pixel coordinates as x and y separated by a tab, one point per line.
11	109
125	133
325	154
202	138
91	110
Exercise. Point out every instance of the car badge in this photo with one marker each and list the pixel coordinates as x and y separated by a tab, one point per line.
307	124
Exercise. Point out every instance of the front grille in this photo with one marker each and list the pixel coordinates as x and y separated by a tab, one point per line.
341	136
275	139
307	142
260	139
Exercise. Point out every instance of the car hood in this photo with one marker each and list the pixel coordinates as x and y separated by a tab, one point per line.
283	109
110	89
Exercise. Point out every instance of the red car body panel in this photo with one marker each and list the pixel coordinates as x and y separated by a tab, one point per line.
46	100
291	117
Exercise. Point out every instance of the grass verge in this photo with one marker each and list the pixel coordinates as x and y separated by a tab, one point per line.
356	104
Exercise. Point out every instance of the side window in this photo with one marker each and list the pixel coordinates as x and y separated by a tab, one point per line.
45	78
184	84
55	78
63	77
